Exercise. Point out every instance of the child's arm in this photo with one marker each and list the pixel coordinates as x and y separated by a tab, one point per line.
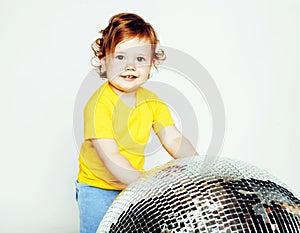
175	143
117	164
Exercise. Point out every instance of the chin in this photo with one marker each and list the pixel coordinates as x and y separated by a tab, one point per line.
123	88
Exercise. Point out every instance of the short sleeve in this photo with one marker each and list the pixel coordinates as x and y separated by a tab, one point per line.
161	116
97	121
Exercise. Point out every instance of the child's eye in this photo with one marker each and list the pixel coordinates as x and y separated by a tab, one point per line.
141	59
120	57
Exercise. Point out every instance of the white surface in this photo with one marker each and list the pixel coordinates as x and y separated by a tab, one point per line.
250	48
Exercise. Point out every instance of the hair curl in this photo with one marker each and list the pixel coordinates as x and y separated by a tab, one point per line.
121	27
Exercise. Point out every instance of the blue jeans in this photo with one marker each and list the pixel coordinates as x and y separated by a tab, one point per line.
92	203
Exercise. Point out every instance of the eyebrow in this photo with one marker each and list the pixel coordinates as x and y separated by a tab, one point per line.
138	54
120	52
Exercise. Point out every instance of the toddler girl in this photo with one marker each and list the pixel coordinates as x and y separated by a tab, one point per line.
119	116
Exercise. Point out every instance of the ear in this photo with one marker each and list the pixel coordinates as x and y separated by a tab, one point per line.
103	64
153	62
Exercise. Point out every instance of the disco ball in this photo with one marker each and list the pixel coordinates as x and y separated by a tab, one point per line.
191	195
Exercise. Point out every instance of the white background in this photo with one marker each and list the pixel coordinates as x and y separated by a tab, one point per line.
250	48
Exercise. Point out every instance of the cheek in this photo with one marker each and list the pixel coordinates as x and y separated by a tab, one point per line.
114	69
145	67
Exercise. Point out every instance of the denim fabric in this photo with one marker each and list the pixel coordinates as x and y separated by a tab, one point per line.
92	203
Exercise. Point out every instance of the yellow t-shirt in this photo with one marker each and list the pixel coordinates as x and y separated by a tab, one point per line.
107	116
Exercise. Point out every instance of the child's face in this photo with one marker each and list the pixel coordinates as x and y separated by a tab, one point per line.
129	66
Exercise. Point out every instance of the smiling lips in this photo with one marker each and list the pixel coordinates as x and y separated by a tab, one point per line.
129	76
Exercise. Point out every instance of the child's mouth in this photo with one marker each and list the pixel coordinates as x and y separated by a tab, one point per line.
129	76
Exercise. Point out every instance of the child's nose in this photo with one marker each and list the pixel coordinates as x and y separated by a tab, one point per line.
130	66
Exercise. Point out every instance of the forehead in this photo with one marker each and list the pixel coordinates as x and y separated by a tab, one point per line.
134	45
